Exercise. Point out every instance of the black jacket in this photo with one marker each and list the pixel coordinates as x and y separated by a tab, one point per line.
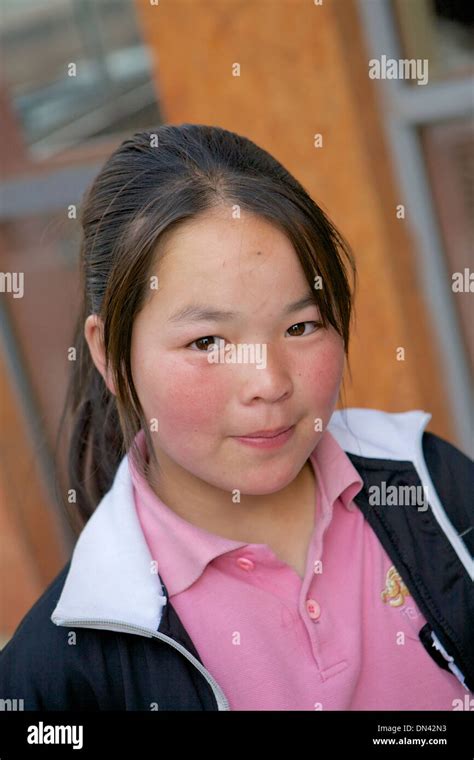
104	634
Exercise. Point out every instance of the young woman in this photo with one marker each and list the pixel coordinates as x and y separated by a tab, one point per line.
244	545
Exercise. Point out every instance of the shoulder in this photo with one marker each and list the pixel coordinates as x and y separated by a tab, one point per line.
51	667
402	436
374	433
379	440
452	474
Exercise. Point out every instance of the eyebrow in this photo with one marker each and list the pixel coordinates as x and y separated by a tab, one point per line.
197	313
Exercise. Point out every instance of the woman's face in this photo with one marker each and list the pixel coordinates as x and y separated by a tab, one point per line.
247	267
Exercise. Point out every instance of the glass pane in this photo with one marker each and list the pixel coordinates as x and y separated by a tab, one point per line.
43	252
76	69
449	152
440	31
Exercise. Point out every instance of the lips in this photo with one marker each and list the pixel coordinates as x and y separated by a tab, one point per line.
266	433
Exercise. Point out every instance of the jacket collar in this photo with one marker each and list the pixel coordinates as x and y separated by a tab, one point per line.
112	576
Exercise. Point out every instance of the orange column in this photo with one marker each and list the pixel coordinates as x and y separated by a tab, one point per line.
303	71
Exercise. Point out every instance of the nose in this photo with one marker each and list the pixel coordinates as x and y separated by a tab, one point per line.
269	382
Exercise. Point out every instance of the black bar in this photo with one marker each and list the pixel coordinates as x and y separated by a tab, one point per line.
321	733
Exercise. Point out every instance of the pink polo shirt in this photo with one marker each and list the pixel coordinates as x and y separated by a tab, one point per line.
345	637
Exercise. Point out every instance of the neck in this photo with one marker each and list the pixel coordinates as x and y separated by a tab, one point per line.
255	519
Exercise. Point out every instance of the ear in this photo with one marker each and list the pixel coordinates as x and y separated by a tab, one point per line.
93	333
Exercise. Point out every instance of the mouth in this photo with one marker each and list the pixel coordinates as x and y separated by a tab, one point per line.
266	433
267	439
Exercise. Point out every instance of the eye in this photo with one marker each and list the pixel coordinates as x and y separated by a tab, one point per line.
206	344
300	325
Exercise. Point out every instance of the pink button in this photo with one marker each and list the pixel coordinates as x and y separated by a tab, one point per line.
245	564
313	608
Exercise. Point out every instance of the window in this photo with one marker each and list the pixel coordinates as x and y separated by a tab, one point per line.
75	70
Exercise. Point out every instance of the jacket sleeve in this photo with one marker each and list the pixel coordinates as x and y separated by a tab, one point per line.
44	666
452	473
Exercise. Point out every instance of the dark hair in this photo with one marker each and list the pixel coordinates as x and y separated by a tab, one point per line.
154	181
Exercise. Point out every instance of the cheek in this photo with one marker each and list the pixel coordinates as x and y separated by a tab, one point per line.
185	398
323	371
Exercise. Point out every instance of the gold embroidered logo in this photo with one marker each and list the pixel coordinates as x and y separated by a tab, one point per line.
395	590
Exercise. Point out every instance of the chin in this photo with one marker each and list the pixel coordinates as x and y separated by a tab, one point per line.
264	482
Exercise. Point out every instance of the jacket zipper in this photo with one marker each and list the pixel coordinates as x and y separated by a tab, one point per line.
222	702
449	659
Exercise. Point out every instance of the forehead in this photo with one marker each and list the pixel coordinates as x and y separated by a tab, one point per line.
217	242
214	267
